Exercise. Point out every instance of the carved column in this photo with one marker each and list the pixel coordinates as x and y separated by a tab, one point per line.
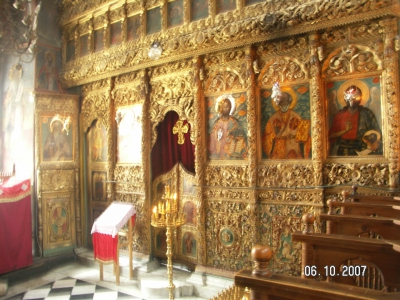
200	158
252	140
317	111
78	210
391	99
146	148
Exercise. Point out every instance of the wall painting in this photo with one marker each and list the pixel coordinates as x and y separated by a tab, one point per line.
175	13
56	144
225	5
98	143
133	32
286	128
161	240
355	125
189	209
227	127
115	33
99	186
189	245
84	45
129	146
70	50
59	221
198	9
153	23
98	40
48	64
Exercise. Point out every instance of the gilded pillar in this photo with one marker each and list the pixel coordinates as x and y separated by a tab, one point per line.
391	98
200	158
317	110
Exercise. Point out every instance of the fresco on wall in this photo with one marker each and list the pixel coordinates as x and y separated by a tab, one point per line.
99	186
98	40
153	23
225	5
129	146
115	33
198	9
70	50
175	13
47	28
286	128
84	45
355	125
16	116
98	143
56	145
48	64
227	127
189	245
133	32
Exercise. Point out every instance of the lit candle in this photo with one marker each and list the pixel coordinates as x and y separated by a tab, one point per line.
175	202
168	206
155	212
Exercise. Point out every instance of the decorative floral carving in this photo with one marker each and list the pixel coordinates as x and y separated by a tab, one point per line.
351	59
285	175
364	175
229	176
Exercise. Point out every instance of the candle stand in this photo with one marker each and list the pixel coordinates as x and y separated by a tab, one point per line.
166	215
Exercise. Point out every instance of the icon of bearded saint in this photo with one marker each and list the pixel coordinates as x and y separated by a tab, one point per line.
355	129
286	134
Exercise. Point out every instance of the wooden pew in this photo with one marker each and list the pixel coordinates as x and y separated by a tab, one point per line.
375	209
362	226
265	285
382	200
328	253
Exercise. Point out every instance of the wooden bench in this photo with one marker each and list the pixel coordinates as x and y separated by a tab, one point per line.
263	284
381	199
375	209
362	226
324	255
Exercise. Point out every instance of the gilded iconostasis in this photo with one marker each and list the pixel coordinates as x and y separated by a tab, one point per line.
256	113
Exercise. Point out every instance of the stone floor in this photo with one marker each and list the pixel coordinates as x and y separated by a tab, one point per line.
79	278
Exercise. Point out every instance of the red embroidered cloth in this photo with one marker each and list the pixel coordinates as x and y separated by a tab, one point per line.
105	229
15	225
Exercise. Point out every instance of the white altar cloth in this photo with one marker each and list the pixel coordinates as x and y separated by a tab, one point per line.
113	218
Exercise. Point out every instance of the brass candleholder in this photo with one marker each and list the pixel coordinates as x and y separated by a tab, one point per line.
166	215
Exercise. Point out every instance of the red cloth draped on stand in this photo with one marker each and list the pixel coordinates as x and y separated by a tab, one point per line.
15	226
167	152
105	246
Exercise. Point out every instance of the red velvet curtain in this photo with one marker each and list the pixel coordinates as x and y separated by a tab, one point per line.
167	152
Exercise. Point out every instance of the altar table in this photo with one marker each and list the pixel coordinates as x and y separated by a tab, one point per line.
15	225
105	232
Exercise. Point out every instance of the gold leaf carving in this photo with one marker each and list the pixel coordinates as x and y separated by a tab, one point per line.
364	175
57	180
285	175
351	59
229	176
